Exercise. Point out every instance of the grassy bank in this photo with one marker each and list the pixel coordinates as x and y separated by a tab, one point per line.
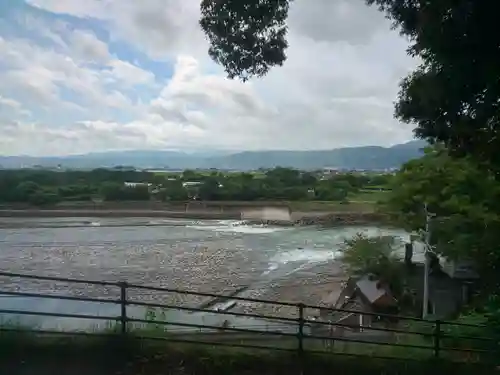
156	347
207	206
332	207
127	355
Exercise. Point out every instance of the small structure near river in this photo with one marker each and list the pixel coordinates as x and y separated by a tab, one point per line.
266	214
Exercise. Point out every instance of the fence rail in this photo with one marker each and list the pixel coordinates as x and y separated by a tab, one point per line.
384	336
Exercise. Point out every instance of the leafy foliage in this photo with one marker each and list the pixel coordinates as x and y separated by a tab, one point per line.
477	329
363	255
247	36
48	187
465	200
453	96
114	191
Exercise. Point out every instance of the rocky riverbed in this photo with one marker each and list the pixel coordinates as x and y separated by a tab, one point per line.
296	264
327	219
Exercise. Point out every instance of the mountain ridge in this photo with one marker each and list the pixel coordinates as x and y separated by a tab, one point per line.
363	157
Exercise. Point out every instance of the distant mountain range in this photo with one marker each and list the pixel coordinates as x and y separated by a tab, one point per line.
368	157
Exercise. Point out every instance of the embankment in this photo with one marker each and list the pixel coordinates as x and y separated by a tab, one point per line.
343	218
53	213
254	212
329	219
119	355
298	218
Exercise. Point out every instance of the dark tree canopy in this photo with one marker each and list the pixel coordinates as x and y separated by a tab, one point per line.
247	37
454	95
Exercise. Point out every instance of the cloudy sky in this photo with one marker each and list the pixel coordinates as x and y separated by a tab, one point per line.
92	75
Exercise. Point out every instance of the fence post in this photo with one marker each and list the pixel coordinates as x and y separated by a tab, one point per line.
437	338
123	305
300	336
300	333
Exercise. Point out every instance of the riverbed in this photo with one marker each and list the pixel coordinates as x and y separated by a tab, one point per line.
295	264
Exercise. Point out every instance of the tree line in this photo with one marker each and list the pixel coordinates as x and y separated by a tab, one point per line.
39	187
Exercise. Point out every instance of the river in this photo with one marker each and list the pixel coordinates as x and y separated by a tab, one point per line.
295	264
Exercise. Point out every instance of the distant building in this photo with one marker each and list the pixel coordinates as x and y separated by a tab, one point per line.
137	184
189	184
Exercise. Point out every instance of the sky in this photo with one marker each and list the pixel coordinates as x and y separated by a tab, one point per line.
80	76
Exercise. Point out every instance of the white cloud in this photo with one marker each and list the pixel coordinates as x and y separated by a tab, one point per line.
336	89
162	28
6	102
87	47
125	72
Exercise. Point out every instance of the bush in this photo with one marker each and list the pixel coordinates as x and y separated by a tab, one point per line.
41	198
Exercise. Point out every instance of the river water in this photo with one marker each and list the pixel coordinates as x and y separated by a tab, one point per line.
204	256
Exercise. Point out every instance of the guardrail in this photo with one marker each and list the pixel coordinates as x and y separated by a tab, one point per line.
335	331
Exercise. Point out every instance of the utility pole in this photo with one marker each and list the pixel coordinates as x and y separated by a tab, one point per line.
427	250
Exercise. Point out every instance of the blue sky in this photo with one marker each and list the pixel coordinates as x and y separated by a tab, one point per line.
96	75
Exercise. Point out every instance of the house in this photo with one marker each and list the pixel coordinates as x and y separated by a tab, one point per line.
137	184
451	284
359	297
329	172
450	287
446	294
191	184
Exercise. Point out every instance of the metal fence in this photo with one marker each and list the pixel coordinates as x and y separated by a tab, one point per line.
300	327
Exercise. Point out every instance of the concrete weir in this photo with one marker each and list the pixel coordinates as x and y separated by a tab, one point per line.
267	214
223	303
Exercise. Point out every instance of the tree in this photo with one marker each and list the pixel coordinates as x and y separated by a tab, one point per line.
112	191
41	198
308	179
284	177
482	322
174	191
363	255
465	200
454	95
247	37
190	175
25	190
209	189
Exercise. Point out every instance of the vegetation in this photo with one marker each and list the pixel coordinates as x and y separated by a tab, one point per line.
129	356
49	187
152	349
477	328
466	223
362	255
465	200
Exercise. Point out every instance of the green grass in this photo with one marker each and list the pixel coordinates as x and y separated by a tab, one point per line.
370	196
106	351
330	206
128	356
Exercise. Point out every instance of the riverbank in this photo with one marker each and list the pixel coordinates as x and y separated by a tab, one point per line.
215	206
300	218
118	213
126	355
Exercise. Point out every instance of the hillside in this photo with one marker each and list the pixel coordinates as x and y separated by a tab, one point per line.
369	157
